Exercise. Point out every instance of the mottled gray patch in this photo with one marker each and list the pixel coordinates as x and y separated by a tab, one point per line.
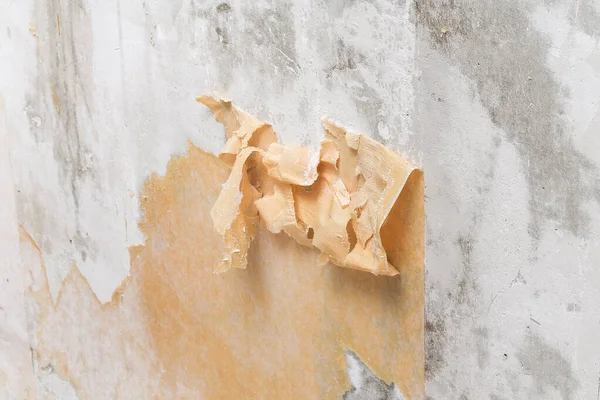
482	344
573	307
586	15
336	7
303	108
495	45
344	68
223	7
346	58
365	384
455	314
466	282
435	343
548	368
49	368
223	35
64	98
69	78
449	315
257	37
8	32
35	121
361	71
518	279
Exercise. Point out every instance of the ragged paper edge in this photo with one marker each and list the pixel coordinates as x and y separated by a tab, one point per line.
336	199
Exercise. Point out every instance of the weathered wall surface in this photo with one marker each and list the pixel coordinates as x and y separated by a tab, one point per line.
499	101
508	108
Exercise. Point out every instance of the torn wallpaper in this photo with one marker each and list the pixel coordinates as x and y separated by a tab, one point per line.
291	325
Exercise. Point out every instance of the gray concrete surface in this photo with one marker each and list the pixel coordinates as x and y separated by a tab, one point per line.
499	101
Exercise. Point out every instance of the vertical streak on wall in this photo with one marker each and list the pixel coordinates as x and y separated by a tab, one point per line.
16	373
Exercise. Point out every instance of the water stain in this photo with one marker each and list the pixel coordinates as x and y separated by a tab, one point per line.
448	317
70	77
60	111
359	56
223	7
435	343
495	45
585	15
255	37
346	58
466	282
573	307
548	367
482	344
173	329
351	67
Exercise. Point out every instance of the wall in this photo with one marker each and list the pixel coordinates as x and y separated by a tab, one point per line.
497	100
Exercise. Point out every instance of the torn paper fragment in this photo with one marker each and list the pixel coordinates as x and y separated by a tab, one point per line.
292	164
241	129
337	198
235	214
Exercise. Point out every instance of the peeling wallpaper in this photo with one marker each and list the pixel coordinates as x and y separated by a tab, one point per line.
175	329
497	101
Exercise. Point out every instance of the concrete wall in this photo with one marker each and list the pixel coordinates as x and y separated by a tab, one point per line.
499	101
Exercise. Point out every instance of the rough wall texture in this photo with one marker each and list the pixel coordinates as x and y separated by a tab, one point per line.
499	101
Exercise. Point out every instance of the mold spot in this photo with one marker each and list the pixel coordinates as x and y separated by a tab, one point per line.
346	58
345	68
481	342
548	368
435	339
223	7
222	35
466	283
585	15
261	33
522	98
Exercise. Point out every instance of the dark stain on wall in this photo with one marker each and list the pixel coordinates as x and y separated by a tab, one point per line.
481	345
583	14
346	58
435	342
548	368
361	72
264	41
495	45
466	282
223	7
69	58
586	16
60	112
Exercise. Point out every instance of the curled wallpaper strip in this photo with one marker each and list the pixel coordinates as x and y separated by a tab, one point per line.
338	199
